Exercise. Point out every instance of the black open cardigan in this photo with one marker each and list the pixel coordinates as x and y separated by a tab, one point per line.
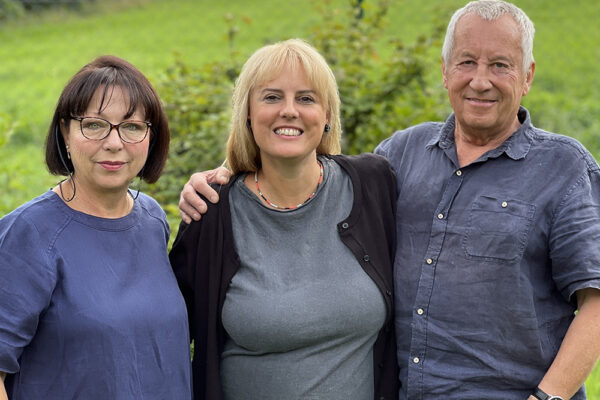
204	260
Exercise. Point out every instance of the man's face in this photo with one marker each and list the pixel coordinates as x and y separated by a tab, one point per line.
484	76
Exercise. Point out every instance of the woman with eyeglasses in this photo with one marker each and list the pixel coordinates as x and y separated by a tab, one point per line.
89	306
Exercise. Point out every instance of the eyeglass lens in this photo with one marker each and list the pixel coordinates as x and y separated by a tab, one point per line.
129	131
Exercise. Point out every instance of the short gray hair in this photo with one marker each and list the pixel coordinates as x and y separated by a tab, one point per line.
491	10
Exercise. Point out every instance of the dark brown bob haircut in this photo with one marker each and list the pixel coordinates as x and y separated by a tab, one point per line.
106	73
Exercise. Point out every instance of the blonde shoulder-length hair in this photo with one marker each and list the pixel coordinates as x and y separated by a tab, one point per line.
265	64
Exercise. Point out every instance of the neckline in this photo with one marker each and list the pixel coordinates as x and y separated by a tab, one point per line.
275	206
101	223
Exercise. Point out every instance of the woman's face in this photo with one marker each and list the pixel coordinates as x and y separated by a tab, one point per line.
107	165
287	117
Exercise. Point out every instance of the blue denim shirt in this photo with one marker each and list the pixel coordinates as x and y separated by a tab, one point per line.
489	258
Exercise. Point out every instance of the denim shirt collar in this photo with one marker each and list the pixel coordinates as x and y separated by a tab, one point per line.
516	146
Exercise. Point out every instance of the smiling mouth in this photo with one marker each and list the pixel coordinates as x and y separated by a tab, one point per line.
482	101
288	132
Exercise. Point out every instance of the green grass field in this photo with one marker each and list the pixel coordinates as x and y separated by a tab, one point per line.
39	53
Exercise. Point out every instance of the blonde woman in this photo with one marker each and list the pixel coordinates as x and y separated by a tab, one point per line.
288	279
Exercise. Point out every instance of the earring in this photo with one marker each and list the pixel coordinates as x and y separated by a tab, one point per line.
327	128
68	153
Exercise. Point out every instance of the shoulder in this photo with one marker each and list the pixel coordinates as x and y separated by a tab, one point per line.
150	206
369	171
417	135
562	148
365	162
152	213
31	229
216	217
42	211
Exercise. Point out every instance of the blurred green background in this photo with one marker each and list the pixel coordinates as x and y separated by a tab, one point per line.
166	39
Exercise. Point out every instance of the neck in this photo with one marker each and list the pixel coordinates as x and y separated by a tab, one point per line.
106	204
470	145
286	184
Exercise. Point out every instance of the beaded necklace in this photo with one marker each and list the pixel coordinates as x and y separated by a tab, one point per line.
262	196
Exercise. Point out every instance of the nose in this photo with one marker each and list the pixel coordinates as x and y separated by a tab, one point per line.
288	109
113	141
481	80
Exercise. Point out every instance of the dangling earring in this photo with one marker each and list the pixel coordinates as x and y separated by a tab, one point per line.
327	128
68	152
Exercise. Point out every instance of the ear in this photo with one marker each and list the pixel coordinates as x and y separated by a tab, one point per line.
64	131
444	80
529	78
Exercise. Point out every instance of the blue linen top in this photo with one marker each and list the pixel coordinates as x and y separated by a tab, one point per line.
89	307
489	257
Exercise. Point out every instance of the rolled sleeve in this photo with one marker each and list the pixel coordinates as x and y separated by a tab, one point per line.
575	238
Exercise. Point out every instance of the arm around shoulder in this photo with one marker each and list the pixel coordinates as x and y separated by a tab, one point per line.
191	205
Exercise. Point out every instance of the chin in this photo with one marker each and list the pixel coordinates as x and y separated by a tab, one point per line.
479	121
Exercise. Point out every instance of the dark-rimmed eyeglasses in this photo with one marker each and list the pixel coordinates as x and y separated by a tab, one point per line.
130	131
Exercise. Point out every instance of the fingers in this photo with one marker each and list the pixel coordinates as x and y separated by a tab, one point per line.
200	182
191	205
221	175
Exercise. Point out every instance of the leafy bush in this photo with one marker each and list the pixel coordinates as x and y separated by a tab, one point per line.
197	103
10	9
37	4
378	95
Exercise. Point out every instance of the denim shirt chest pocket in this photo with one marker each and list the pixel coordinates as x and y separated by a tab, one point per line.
498	228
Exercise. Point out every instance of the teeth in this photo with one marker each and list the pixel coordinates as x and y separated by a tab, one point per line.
288	132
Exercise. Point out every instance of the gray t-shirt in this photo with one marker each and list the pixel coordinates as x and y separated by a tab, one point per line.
301	313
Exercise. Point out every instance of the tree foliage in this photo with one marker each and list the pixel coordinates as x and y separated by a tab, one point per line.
10	9
17	8
379	95
197	101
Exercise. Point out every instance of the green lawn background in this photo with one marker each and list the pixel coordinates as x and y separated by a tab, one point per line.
39	53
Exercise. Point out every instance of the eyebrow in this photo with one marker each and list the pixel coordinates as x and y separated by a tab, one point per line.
305	91
502	59
492	59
